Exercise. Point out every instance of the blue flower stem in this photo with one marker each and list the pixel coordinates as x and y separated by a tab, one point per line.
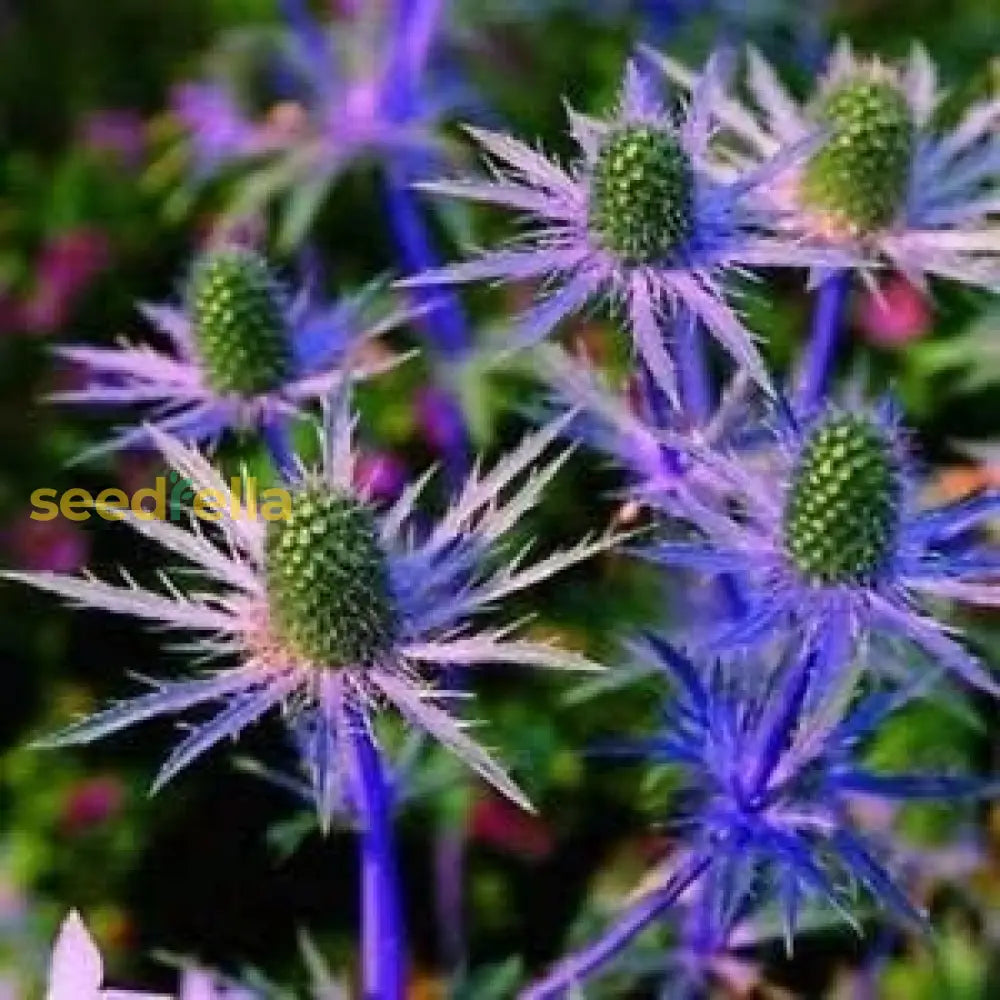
574	970
692	365
277	436
654	405
383	945
697	398
443	321
824	339
444	324
308	30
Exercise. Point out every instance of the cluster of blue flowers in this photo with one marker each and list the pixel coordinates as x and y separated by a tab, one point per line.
803	516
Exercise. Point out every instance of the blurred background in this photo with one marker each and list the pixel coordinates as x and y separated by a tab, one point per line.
105	194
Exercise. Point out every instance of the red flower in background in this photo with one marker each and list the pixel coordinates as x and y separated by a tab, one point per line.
56	545
66	266
91	803
502	825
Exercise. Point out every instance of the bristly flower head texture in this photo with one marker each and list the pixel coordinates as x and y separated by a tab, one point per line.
242	353
334	609
822	528
887	184
642	219
769	763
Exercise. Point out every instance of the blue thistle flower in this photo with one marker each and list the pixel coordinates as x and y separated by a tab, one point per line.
769	761
643	220
887	186
335	609
242	354
347	109
815	519
344	106
827	533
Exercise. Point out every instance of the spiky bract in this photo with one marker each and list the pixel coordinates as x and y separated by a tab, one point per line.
889	185
339	611
815	523
642	220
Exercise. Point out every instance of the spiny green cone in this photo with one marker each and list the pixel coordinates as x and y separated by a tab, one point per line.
238	319
328	582
842	510
860	175
642	194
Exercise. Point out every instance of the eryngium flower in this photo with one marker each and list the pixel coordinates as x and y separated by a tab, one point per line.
354	90
336	609
817	522
769	761
828	533
773	763
242	353
887	185
642	220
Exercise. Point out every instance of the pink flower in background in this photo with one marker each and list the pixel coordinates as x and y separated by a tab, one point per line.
76	972
66	266
119	132
380	474
894	315
92	802
56	545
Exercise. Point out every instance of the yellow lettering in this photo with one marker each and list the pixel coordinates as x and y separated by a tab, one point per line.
45	508
75	504
209	504
159	494
110	503
275	504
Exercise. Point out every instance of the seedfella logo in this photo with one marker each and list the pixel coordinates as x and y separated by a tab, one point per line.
170	498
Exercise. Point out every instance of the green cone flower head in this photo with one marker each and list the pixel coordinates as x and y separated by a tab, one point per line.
642	194
328	580
841	517
861	174
238	319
